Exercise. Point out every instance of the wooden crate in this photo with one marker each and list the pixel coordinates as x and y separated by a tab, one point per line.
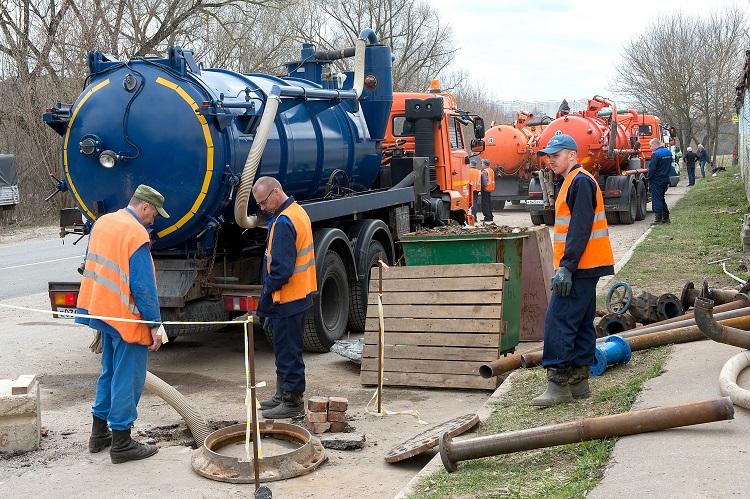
441	323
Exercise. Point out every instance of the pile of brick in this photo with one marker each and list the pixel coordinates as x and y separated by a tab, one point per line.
326	414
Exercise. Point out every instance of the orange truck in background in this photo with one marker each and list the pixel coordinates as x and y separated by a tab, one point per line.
429	124
509	149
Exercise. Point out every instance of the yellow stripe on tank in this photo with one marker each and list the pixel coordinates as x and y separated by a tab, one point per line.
72	186
209	157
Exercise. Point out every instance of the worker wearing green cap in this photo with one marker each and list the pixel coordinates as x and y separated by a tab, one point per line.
119	282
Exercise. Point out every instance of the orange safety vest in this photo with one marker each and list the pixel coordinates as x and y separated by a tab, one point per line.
489	179
598	251
105	287
303	280
475	180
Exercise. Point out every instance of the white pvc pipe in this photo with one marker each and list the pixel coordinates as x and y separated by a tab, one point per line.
728	379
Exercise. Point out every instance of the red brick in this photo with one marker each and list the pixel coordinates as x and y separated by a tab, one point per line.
336	417
319	427
317	404
338	427
317	417
339	404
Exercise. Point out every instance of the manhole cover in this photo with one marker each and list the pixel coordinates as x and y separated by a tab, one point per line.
430	438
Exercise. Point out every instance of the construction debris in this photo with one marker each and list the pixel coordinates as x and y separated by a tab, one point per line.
20	420
429	439
466	229
326	414
343	441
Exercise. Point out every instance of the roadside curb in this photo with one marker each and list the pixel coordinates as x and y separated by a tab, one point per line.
436	463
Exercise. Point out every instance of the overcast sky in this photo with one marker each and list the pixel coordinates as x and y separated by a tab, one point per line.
552	49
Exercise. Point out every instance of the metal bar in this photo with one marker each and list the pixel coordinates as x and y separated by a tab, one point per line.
616	425
380	342
704	317
256	434
327	209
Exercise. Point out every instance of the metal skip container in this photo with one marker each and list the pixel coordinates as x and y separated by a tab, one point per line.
456	249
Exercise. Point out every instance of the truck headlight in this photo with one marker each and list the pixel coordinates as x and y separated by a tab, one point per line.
108	158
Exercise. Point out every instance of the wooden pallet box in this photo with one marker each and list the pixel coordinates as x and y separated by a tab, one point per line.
441	323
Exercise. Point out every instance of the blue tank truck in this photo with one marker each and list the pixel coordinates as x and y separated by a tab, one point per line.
202	136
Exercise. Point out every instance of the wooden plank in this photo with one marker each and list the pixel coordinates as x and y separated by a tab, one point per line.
437	325
437	339
432	271
424	366
430	380
446	283
432	353
433	297
477	311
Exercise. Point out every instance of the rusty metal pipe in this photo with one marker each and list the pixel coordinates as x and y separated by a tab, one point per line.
616	425
719	296
741	301
721	333
614	324
512	362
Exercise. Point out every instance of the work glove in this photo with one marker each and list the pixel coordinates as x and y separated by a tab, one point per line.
267	324
562	282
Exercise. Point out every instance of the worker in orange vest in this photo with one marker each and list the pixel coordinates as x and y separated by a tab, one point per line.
488	186
582	253
119	282
475	181
288	282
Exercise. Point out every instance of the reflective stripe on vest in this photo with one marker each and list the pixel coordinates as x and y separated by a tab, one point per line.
105	287
489	179
303	280
598	251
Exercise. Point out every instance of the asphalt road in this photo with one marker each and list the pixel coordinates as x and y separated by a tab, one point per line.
26	267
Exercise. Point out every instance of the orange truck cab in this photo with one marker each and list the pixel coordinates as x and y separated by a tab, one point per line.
430	124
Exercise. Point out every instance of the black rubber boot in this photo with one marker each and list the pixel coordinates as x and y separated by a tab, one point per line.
101	437
275	400
657	218
126	449
557	391
292	406
579	382
665	218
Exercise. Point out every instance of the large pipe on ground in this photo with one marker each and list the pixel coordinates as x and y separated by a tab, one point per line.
616	425
741	301
728	379
719	296
195	422
511	362
721	333
653	340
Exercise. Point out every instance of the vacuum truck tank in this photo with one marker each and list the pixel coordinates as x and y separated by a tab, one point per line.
509	151
202	137
607	149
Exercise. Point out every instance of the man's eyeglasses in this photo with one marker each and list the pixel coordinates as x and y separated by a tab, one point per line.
262	203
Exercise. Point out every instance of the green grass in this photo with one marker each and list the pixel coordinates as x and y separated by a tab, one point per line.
705	227
564	471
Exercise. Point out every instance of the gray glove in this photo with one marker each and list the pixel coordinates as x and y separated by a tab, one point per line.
562	282
267	324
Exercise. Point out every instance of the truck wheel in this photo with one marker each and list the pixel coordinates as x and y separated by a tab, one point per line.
640	194
628	216
360	289
549	217
537	218
327	320
613	218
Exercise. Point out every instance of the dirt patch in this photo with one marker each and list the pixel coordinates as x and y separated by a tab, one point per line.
16	234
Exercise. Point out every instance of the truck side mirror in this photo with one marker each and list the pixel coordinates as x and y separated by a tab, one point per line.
477	145
479	128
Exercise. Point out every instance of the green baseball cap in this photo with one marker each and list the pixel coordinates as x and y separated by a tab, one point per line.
152	197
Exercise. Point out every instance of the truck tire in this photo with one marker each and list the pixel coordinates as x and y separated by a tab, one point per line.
628	217
498	204
199	311
327	320
360	289
613	218
640	191
537	218
549	217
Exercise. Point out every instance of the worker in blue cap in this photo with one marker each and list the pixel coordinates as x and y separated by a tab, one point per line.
582	253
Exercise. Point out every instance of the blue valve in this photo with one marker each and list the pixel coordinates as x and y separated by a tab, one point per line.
615	350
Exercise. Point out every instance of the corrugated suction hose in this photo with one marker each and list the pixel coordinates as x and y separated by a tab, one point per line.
728	380
253	160
198	426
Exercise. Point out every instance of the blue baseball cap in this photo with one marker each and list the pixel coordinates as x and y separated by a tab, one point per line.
473	162
558	143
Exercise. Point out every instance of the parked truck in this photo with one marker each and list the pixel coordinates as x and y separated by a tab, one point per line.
366	164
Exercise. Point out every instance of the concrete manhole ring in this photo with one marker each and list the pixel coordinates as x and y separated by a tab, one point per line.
211	464
430	438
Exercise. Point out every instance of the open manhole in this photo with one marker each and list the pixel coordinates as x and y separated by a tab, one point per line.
289	451
430	438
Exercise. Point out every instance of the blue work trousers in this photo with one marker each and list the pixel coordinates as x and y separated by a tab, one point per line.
121	382
569	334
658	191
703	168
475	203
691	174
287	348
487	206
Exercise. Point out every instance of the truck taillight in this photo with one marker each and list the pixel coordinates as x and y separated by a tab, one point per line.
240	303
533	194
66	299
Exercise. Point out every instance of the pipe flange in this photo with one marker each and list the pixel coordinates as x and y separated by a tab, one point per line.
687	297
668	307
209	463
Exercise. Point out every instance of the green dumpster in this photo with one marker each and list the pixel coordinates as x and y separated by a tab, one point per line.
452	249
